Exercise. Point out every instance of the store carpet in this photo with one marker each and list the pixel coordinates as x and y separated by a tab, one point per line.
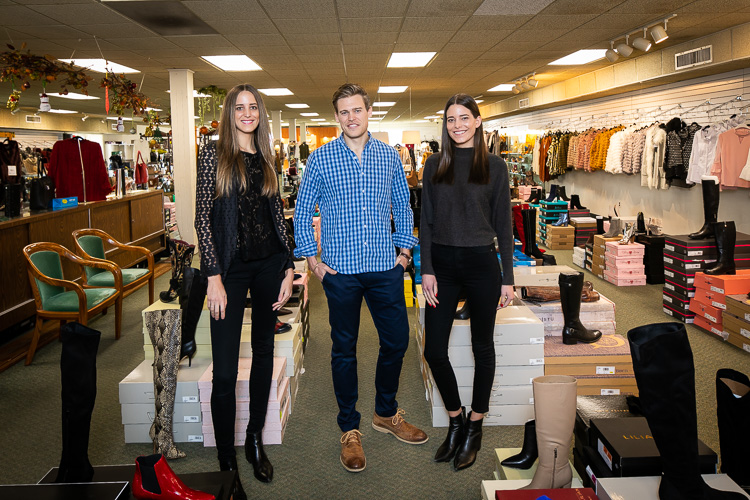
307	464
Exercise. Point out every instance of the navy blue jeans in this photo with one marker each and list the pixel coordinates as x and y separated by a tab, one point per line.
384	294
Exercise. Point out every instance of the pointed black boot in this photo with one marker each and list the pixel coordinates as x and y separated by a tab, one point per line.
726	237
238	492
571	286
256	455
456	429
192	296
640	225
529	453
665	375
733	414
710	210
552	193
466	454
561	193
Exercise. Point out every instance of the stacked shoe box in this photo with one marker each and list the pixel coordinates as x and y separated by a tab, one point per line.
136	392
579	212
202	331
602	368
585	227
560	238
653	260
737	321
598	315
589	255
279	403
579	257
549	213
624	264
408	290
519	354
599	250
710	300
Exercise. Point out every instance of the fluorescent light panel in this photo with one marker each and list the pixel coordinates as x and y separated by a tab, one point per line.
393	89
431	117
503	87
308	114
101	65
62	111
275	92
297	106
380	112
232	63
410	59
72	95
581	57
318	119
383	104
479	101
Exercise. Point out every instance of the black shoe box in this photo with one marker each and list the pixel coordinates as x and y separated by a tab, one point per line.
682	278
588	407
627	447
655	279
704	248
679	303
685	263
684	317
589	466
118	490
681	291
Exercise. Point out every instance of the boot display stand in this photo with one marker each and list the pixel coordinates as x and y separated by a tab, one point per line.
719	312
549	213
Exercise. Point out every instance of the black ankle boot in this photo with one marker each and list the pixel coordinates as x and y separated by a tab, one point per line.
456	428
466	454
238	492
529	452
256	455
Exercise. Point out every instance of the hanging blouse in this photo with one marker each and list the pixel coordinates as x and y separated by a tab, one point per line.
732	151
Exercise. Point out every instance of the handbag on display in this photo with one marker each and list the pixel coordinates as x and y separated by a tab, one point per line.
42	190
141	170
12	196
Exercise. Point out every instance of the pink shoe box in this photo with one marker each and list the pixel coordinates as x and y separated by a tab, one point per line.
275	417
629	250
303	281
630	280
205	384
712	314
270	436
618	262
627	272
273	414
524	192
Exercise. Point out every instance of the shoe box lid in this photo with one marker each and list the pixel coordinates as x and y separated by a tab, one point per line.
739	305
651	240
688	263
681	243
676	301
685	317
679	289
725	283
628	448
684	277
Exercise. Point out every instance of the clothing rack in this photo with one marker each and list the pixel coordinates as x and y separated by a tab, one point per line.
732	100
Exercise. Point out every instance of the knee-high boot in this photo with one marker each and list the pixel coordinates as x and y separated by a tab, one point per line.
192	296
571	286
518	223
181	257
554	414
164	329
665	374
710	210
726	237
78	379
733	414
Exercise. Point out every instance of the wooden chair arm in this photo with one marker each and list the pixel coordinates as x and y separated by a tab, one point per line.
113	242
97	263
67	284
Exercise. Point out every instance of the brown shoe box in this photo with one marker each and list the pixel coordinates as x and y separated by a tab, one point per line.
739	305
627	447
600	241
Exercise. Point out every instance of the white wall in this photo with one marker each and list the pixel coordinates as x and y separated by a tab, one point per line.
427	131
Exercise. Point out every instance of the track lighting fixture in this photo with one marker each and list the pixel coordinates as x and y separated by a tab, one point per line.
611	55
516	88
642	43
85	117
659	34
624	49
533	81
525	85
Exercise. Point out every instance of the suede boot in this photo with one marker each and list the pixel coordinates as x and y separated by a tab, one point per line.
733	414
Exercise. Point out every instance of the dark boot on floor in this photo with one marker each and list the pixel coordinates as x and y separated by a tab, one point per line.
665	374
256	455
571	286
528	455
726	237
192	296
466	454
710	210
78	379
733	415
238	492
529	226
456	429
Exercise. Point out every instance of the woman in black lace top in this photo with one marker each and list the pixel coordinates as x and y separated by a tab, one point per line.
243	246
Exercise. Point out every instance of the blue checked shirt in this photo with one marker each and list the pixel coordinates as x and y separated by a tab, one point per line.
356	201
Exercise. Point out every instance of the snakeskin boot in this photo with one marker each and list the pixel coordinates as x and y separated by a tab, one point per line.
165	329
181	257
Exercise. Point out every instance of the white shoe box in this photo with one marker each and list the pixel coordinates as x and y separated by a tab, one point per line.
647	488
504	375
539	276
242	391
181	433
507	355
288	345
500	395
143	413
138	385
490	487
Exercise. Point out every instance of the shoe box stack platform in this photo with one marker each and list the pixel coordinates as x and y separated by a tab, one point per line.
560	238
408	290
653	259
624	264
579	212
711	305
598	255
519	354
598	315
279	404
549	213
585	227
579	257
646	488
736	318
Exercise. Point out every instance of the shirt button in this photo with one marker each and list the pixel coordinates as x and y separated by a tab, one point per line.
365	243
364	208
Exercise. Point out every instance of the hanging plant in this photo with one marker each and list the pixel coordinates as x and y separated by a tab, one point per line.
217	98
203	105
124	94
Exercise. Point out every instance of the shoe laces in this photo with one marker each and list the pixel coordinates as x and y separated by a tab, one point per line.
352	435
398	417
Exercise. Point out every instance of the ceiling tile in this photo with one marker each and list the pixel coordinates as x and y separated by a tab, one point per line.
482	37
435	39
233	27
17	15
450	23
300	9
88	13
583	7
373	24
503	7
374	38
296	25
366	10
221	10
495	22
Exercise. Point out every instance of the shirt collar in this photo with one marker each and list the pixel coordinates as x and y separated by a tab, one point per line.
343	143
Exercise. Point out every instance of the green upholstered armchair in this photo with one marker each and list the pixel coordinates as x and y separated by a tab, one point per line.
64	300
90	245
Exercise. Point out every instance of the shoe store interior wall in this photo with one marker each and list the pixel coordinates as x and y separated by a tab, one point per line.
617	364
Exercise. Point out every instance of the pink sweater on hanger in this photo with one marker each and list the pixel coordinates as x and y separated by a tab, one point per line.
731	155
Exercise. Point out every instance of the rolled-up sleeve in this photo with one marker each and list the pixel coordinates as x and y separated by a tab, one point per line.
308	198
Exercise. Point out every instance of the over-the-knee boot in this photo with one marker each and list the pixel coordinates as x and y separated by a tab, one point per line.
726	237
555	414
456	428
529	453
181	257
710	210
164	329
466	453
665	374
733	415
78	381
571	286
518	222
192	296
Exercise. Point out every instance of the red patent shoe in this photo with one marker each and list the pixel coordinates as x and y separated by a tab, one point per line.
155	480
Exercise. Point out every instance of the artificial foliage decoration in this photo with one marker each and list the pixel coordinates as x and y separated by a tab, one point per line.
216	100
124	94
13	100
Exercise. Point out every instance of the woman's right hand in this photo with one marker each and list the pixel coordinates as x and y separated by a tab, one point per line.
217	297
430	289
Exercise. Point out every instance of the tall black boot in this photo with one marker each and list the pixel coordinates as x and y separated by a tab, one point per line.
561	193
256	455
462	313
599	224
192	296
552	193
640	225
571	286
238	492
575	202
710	210
456	429
78	380
531	248
665	374
733	414
529	452
726	237
466	454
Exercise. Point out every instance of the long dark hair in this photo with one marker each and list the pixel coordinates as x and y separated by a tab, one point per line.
230	170
480	167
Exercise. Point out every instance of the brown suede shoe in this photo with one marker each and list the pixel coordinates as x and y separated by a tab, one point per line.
352	454
399	427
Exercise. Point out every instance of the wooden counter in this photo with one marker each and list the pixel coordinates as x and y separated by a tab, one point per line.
136	218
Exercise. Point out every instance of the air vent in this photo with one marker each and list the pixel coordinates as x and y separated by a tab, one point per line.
523	103
694	57
33	119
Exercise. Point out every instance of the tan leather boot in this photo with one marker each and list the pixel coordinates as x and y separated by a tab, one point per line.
555	413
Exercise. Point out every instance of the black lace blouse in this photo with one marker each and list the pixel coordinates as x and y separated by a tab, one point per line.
256	236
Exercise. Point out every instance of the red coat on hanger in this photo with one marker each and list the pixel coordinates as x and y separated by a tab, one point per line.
65	170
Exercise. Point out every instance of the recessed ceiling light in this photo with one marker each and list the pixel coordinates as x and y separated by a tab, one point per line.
308	114
297	106
393	89
62	111
584	56
232	63
72	95
380	112
431	117
276	92
479	101
318	119
100	65
410	59
124	118
383	104
503	87
441	112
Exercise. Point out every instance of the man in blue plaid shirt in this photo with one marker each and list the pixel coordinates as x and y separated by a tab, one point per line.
358	182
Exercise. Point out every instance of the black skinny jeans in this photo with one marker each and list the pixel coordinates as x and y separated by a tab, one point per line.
477	271
263	278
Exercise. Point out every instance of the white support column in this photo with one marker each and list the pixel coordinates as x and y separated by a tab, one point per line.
276	125
183	143
293	135
302	132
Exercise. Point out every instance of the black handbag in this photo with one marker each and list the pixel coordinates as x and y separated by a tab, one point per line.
42	190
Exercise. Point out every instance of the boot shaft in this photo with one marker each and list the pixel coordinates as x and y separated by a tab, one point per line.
571	286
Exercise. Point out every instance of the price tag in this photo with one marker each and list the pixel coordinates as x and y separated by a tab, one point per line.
746	347
718	304
745	332
12	170
695	252
605	370
692	266
668	286
669	273
191	418
669	247
610	392
531	401
747	316
667	311
536	362
189	399
710	318
195	438
536	340
668	260
668	298
717	289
